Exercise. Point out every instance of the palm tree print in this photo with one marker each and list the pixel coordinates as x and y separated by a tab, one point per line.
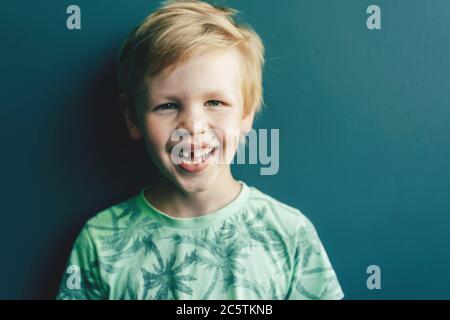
309	243
223	254
262	293
223	257
167	276
270	239
329	288
136	230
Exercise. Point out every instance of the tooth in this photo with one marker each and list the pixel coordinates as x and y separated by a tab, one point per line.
199	153
183	154
196	156
206	152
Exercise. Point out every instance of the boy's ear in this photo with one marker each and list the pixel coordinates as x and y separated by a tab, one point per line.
247	122
133	129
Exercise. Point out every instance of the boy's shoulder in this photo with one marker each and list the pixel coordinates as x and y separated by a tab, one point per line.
286	216
126	210
258	196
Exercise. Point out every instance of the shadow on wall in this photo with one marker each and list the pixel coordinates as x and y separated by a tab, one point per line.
110	158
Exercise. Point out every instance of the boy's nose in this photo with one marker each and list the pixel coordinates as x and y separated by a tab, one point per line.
194	122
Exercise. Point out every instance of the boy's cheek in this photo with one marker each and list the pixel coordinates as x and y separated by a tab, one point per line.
229	147
155	129
155	140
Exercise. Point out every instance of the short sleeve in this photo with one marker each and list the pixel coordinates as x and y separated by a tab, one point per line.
313	276
81	279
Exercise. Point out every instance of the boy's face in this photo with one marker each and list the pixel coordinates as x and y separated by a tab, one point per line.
201	101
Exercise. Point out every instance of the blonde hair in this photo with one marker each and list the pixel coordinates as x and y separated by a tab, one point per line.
180	29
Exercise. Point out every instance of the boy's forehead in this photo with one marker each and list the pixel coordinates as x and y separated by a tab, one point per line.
214	72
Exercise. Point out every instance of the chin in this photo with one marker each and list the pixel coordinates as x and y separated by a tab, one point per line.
193	184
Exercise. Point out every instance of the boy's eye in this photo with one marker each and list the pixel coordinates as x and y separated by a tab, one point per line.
214	103
166	106
171	106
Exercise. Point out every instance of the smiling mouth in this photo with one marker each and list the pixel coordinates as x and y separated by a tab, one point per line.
196	160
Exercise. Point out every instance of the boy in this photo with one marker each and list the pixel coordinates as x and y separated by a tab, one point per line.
190	71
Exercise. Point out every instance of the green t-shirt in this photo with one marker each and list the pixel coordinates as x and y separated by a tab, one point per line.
255	247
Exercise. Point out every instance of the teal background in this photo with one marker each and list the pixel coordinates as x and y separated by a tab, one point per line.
364	119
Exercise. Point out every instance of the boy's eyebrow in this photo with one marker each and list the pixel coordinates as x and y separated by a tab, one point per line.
215	93
220	93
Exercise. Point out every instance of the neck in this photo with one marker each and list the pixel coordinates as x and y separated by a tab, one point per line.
170	199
